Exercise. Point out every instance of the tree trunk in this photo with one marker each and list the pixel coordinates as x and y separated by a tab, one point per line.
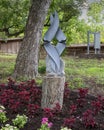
52	91
27	59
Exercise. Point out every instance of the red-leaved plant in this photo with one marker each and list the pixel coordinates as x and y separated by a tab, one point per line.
33	109
73	109
69	122
83	92
47	112
88	119
101	100
97	106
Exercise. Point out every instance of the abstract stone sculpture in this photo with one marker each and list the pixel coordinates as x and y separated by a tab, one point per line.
54	63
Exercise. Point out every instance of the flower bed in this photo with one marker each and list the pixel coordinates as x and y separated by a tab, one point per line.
80	111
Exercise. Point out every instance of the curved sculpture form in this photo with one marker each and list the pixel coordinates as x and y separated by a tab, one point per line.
54	63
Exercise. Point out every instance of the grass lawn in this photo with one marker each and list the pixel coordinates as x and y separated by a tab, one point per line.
7	63
79	72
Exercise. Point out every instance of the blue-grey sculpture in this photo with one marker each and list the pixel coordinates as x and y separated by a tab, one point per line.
54	63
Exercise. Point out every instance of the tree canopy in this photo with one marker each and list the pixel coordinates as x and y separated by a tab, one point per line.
14	14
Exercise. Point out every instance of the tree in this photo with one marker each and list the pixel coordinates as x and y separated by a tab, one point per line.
14	13
27	59
96	12
13	16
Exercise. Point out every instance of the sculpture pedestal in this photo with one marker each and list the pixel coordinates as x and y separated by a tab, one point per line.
52	91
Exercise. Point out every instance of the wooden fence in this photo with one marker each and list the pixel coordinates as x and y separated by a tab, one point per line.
82	49
11	46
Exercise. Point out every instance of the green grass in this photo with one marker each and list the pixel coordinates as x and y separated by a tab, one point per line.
76	70
7	63
86	66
